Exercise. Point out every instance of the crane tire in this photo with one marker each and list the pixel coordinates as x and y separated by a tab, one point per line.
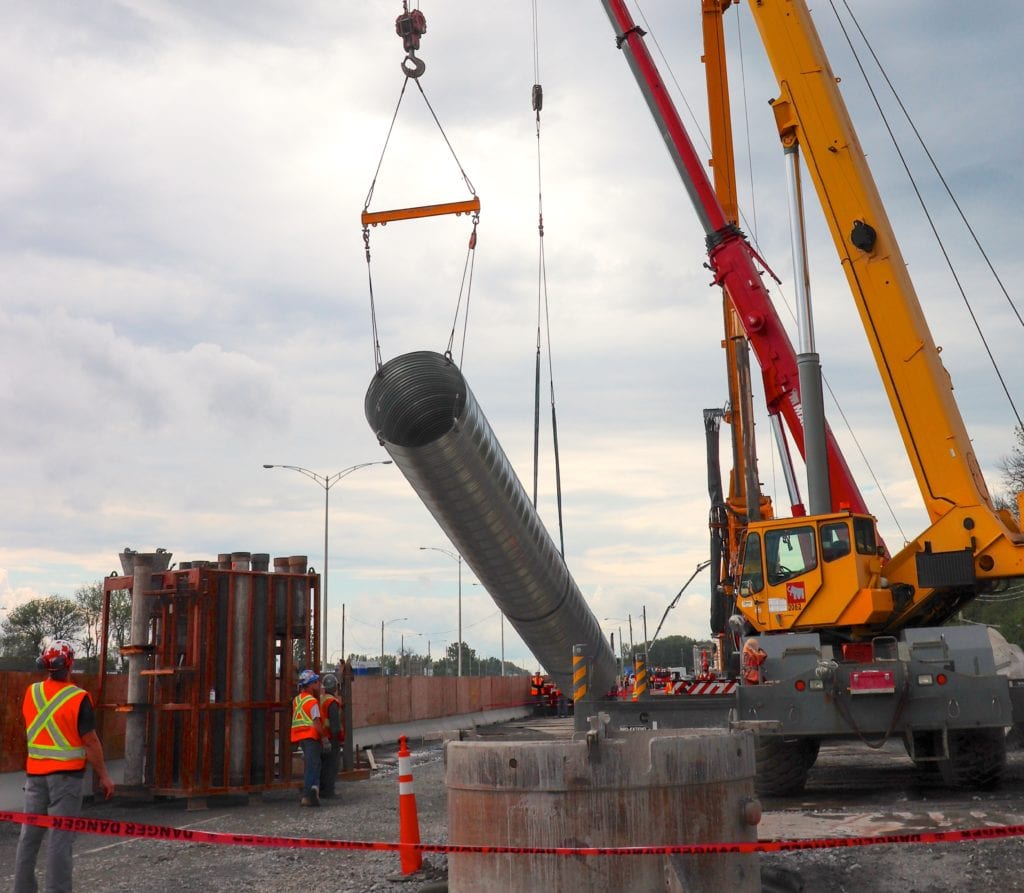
783	764
977	759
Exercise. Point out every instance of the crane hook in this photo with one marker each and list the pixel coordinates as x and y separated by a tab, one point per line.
413	67
411	26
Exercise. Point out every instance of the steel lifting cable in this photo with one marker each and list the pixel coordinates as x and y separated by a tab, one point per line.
920	198
543	315
411	25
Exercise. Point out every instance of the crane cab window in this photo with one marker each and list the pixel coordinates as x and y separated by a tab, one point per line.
835	541
864	536
752	575
789	552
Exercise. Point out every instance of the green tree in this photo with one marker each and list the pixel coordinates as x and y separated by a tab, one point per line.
24	629
1004	609
90	603
672	651
1012	467
89	599
120	620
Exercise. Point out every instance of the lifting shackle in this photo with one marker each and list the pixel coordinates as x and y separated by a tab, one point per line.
411	26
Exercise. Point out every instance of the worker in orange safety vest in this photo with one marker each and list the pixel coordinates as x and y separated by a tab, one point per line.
60	730
753	658
536	685
308	733
333	719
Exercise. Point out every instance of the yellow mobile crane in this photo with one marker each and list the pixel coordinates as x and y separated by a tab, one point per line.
862	651
847	642
970	544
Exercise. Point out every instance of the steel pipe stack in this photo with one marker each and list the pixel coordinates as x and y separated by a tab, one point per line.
424	414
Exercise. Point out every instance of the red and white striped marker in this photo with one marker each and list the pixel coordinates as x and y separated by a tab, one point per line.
408	820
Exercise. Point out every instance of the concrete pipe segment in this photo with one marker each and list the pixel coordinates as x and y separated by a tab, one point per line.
640	789
423	412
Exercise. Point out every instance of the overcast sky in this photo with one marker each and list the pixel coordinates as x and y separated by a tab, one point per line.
183	291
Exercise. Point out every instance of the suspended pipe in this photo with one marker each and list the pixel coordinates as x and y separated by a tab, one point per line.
424	414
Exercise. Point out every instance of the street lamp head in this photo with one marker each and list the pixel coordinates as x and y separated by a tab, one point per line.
267	466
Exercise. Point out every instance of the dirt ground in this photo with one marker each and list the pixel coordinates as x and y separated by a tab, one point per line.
852	791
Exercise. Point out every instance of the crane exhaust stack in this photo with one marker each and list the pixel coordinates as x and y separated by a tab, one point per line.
423	412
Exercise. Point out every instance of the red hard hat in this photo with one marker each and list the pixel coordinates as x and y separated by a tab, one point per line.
58	655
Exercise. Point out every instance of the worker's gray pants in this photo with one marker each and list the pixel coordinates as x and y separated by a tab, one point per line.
59	794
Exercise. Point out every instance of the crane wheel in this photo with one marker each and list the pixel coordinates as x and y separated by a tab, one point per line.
977	759
783	764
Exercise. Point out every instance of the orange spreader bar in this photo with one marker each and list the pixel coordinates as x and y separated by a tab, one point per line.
372	218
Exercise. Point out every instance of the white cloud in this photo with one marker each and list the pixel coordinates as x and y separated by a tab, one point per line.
185	293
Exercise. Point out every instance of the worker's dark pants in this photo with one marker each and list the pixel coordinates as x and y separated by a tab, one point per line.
58	794
329	769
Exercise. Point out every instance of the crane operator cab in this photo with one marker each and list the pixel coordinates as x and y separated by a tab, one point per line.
809	572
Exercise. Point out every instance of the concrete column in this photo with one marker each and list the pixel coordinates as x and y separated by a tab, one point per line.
138	638
241	630
641	788
348	748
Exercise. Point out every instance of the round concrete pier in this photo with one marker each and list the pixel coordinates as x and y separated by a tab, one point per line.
643	788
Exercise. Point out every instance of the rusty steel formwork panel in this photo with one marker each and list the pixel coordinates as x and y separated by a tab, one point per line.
223	644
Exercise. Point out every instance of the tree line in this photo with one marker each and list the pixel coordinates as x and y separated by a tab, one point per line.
78	619
408	663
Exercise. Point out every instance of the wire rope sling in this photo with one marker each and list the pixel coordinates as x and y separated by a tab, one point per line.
411	25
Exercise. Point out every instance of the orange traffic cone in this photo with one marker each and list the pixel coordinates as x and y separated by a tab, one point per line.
408	821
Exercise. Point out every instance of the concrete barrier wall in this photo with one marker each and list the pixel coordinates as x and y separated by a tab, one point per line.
375	702
383	701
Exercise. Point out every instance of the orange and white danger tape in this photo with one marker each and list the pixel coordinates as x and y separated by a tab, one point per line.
118	828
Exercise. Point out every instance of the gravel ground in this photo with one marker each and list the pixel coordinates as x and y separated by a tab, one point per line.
851	792
363	810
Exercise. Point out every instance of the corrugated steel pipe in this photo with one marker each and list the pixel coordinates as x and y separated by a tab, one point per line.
424	414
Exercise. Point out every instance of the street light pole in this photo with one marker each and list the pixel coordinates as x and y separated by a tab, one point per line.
458	558
326	481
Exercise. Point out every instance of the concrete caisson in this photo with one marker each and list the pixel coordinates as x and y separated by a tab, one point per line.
645	788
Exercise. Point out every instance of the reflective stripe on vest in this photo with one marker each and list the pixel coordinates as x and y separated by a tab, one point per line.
45	720
302	720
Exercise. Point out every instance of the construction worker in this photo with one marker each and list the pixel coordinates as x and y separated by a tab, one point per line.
333	719
537	693
753	657
553	695
60	728
308	733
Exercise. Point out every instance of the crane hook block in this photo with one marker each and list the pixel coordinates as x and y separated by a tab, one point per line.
411	26
470	206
